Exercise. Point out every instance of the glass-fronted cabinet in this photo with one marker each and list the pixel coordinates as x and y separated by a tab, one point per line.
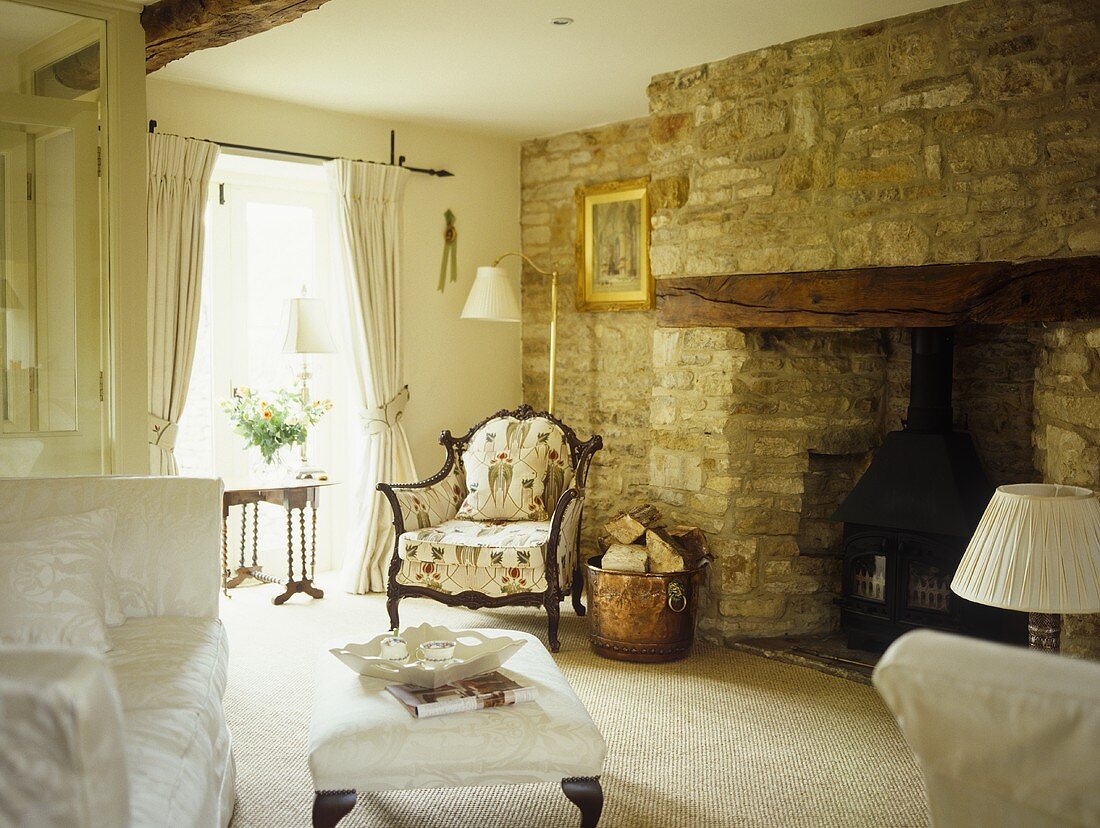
52	254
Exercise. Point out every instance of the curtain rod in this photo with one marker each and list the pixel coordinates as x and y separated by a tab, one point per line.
400	162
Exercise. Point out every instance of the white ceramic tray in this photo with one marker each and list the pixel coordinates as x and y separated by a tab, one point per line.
475	653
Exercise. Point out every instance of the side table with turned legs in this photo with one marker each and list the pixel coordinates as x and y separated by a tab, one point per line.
292	495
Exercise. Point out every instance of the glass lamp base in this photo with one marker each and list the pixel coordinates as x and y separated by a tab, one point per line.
1044	631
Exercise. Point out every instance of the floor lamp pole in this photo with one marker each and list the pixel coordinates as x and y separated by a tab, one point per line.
553	274
553	336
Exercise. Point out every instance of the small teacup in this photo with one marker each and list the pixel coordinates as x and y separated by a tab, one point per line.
394	648
436	652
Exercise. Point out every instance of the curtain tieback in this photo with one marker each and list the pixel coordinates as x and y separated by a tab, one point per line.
162	433
381	418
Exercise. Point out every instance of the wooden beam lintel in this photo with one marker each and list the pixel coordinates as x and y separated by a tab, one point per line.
988	293
176	28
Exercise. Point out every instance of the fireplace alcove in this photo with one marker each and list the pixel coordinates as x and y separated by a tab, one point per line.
897	561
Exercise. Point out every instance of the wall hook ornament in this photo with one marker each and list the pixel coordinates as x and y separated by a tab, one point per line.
450	251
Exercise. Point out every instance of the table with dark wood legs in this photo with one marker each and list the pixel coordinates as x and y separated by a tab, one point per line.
292	495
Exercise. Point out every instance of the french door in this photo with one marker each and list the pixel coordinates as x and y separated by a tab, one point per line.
268	240
51	334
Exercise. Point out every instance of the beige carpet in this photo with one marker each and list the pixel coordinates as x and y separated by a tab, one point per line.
720	739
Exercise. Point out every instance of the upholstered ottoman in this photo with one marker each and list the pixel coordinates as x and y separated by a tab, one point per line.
362	739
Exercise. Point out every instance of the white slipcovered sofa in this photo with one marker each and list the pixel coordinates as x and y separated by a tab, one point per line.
1005	737
136	736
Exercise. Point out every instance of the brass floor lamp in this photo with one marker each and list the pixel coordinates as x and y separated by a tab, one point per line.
492	298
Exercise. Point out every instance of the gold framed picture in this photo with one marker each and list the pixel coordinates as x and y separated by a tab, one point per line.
613	247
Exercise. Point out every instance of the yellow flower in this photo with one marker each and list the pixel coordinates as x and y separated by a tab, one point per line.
263	404
267	415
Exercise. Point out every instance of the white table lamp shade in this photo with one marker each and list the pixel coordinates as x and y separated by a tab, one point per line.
1036	549
307	329
492	297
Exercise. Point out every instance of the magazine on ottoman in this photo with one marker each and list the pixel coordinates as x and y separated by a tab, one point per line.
490	690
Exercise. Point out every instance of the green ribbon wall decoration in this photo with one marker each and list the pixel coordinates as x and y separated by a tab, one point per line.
450	251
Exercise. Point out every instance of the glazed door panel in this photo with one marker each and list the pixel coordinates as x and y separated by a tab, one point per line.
51	411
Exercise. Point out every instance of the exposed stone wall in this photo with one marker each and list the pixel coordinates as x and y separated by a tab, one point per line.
604	373
1067	434
965	133
737	417
959	134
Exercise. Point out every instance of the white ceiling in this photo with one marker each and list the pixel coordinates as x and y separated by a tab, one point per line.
23	26
499	65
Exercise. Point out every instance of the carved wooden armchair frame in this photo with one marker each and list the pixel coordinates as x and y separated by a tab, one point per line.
571	498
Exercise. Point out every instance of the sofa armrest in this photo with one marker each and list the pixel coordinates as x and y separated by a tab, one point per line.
1004	735
429	502
61	754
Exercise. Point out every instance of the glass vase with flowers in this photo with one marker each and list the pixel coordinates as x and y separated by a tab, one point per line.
271	422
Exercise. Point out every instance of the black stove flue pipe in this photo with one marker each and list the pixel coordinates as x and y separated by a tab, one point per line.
930	380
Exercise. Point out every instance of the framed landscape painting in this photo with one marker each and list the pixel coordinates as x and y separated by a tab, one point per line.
613	247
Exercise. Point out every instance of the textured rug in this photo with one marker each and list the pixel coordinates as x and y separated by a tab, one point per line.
722	738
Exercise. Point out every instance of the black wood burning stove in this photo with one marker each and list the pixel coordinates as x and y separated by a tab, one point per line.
910	516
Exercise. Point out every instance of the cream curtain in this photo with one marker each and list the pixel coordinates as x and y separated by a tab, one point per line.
179	175
368	202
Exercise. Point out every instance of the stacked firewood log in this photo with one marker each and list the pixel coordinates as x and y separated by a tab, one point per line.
637	540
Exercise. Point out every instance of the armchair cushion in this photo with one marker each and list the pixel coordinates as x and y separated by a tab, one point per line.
454	579
511	434
505	485
493	559
469	543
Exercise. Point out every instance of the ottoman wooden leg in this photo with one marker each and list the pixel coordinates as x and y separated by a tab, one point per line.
329	807
585	792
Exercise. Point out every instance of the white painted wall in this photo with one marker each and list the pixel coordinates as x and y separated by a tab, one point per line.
458	371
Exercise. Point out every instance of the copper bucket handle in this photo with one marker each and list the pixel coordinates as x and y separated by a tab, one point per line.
677	599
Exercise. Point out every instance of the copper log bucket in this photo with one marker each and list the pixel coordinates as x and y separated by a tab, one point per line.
636	616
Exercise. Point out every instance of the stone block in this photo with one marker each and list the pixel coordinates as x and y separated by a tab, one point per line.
911	54
777	546
883	243
1021	79
669	193
984	153
933	94
1071	459
664	129
1081	148
734	578
964	120
681	471
897	171
769	606
763	521
795	585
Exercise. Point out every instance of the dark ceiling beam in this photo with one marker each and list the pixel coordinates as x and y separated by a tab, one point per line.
175	28
990	293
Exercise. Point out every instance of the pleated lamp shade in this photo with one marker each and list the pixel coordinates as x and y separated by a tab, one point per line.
306	328
492	297
1036	549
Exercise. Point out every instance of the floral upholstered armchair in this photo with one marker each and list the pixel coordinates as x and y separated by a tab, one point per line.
499	524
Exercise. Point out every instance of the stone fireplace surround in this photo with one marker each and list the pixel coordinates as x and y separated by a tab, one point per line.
969	133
